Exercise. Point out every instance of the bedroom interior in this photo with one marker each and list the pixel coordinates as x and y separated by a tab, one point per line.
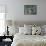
22	23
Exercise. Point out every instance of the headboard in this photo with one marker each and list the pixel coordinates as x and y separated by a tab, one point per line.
21	23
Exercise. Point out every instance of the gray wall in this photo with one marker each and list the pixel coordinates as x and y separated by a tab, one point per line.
15	9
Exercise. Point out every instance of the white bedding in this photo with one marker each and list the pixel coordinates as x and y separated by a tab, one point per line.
29	40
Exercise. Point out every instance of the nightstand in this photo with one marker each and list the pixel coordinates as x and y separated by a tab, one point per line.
5	42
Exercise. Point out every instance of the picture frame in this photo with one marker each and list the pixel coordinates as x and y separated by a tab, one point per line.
30	9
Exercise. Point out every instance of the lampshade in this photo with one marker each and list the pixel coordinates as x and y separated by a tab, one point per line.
9	22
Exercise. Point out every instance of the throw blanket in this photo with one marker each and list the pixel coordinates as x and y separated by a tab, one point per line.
29	40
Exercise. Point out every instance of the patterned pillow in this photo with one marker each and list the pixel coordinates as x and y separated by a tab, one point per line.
36	30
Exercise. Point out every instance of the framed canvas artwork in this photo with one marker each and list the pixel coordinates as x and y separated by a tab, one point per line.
30	9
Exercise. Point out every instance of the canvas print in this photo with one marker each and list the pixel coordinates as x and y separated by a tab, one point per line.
30	9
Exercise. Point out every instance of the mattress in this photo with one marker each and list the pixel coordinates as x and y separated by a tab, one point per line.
28	40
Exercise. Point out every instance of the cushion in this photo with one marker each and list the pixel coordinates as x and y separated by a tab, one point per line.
21	30
28	31
24	30
44	29
13	30
36	30
28	26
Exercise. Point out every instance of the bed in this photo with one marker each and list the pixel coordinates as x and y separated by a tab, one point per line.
28	40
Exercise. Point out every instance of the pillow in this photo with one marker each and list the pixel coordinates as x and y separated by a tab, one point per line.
44	29
13	30
21	30
24	30
28	31
28	26
33	30
44	26
36	30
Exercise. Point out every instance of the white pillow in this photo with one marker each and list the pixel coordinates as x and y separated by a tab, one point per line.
13	30
28	31
28	26
36	30
44	27
21	30
42	30
24	30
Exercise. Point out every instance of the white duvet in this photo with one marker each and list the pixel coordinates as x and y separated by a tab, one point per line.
29	40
